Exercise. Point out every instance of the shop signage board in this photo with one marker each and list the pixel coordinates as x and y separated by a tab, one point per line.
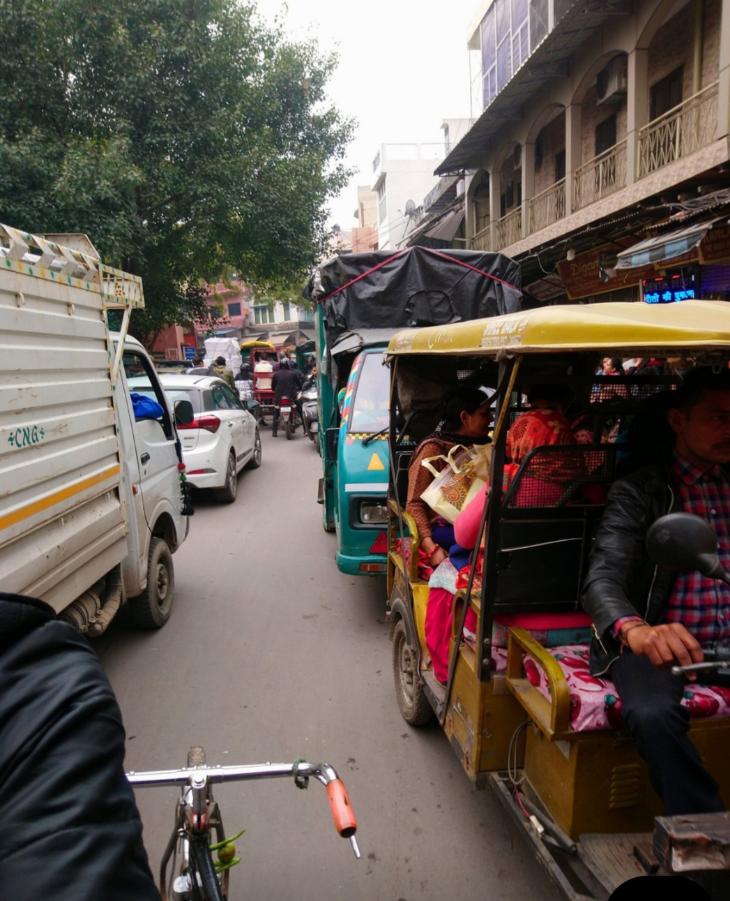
581	276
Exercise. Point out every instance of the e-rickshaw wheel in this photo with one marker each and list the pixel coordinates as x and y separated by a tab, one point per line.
414	706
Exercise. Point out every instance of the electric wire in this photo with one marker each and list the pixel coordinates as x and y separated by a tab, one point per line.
512	752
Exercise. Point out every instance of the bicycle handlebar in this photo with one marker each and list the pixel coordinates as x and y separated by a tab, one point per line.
722	667
301	771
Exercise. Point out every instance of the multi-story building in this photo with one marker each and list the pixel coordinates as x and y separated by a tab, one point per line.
403	176
365	233
600	124
439	218
285	324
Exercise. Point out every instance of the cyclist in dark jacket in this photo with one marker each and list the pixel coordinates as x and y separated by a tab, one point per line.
72	829
646	618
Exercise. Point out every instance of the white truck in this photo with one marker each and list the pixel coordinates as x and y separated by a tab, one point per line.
93	501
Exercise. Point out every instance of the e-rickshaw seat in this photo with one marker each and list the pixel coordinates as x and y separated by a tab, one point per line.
543	548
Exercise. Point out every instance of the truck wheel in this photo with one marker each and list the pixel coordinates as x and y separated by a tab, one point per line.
255	460
412	701
151	610
227	494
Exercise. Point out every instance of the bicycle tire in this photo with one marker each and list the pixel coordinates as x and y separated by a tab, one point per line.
201	864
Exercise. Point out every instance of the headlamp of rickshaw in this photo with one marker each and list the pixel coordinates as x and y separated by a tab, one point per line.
373	513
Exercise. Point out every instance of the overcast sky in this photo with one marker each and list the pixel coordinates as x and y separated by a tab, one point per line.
403	70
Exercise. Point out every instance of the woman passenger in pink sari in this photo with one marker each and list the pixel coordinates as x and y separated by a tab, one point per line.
543	425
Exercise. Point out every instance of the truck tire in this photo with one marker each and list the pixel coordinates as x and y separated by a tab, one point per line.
227	494
412	701
151	609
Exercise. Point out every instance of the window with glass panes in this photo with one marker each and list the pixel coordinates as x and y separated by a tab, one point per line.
262	313
509	32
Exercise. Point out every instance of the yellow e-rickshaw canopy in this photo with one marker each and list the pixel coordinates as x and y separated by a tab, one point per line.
599	326
256	344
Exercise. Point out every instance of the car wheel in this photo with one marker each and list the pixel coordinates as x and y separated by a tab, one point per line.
412	701
255	460
151	610
227	494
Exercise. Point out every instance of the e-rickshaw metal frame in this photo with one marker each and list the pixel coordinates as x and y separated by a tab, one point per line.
477	708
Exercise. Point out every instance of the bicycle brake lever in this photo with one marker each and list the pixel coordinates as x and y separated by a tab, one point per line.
719	665
355	847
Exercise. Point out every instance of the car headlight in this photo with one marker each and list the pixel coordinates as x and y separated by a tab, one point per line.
373	513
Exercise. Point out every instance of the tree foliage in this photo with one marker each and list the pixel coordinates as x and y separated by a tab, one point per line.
184	137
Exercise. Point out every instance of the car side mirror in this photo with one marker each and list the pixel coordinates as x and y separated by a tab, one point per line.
184	412
331	439
683	542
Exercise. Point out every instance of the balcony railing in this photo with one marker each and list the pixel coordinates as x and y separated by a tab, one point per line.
482	240
508	229
600	176
680	132
547	207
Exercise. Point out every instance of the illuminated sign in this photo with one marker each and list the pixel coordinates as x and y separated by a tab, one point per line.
669	295
673	287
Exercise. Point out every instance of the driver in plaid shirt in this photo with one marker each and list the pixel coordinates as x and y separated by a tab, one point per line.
647	619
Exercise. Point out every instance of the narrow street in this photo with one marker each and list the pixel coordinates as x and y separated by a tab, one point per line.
272	654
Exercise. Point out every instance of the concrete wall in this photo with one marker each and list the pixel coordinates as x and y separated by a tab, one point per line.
367	207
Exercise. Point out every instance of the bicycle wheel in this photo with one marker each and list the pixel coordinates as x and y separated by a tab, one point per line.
206	886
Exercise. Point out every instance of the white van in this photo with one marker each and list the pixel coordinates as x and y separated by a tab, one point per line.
93	501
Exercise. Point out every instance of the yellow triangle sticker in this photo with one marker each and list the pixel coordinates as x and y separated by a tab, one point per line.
375	462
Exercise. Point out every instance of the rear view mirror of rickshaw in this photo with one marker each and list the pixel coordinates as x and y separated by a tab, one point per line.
330	444
684	543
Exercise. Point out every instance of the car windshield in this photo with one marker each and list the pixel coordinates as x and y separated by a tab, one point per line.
370	408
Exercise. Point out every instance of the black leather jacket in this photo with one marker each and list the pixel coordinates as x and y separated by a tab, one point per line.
621	579
72	830
287	383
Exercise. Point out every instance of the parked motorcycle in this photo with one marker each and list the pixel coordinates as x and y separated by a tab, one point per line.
308	398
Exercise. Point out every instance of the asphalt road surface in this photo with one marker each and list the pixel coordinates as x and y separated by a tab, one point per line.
272	654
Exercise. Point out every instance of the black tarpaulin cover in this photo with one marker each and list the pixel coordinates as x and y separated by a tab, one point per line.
413	287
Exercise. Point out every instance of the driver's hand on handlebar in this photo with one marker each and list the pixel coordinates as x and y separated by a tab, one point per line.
664	644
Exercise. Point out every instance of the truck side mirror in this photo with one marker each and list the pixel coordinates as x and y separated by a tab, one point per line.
184	412
684	543
331	439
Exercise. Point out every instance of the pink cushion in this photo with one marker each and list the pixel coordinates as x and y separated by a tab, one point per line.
550	629
594	702
540	621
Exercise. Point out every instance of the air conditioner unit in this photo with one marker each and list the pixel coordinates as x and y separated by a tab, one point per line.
612	81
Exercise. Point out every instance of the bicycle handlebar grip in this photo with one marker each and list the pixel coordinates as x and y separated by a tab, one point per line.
342	813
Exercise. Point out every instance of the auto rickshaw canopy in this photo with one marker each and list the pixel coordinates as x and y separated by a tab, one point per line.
630	327
258	345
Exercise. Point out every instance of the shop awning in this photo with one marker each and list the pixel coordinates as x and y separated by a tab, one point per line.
663	248
447	226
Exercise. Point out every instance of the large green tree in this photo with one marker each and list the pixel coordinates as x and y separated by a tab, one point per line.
186	137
